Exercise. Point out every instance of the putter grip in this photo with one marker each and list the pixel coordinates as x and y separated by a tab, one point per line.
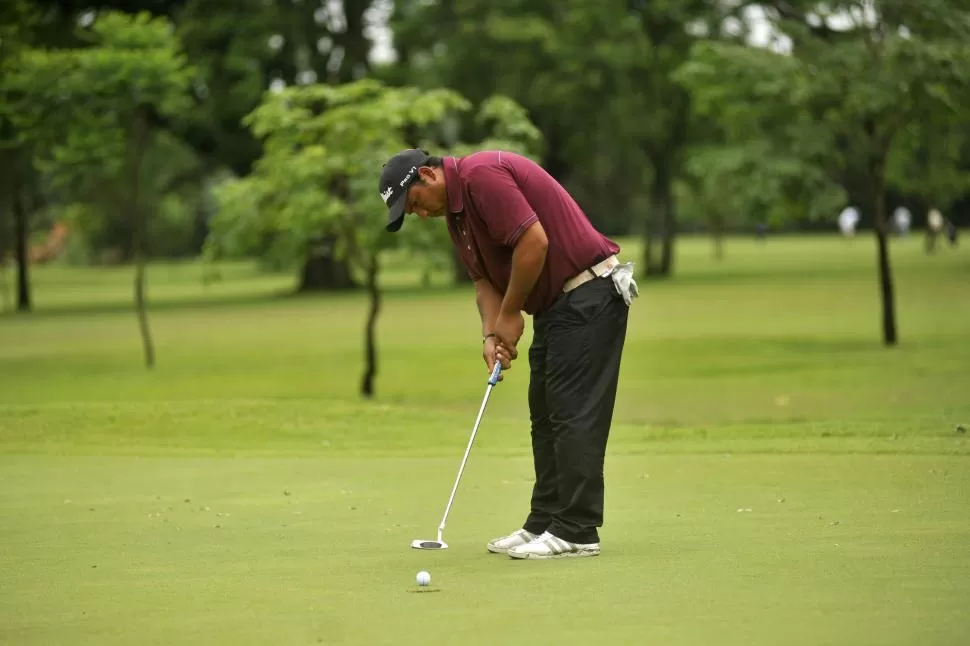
495	372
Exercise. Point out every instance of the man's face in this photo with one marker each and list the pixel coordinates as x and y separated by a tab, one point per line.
427	197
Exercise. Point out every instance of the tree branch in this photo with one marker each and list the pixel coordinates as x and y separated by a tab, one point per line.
184	177
787	13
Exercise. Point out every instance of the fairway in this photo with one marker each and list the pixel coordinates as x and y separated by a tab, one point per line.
774	475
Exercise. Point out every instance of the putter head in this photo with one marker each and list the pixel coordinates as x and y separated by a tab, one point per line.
429	545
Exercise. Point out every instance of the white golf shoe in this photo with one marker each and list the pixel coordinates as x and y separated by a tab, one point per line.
504	544
548	546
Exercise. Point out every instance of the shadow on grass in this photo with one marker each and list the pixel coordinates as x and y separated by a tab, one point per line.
262	299
746	276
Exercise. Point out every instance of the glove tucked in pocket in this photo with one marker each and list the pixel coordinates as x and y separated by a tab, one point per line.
626	287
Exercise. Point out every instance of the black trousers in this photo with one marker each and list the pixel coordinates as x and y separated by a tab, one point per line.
574	368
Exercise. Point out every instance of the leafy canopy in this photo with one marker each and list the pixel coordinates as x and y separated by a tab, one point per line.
324	146
846	100
77	105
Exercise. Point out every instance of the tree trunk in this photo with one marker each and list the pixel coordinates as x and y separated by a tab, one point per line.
885	268
370	343
21	250
875	171
146	333
648	249
4	290
200	226
669	232
354	40
660	224
322	270
136	150
717	230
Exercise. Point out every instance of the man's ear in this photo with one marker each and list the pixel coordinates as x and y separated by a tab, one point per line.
427	174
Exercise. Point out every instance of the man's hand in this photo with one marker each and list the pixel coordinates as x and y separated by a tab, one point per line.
494	351
508	328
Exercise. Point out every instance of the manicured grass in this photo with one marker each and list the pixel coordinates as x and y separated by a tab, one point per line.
863	550
242	492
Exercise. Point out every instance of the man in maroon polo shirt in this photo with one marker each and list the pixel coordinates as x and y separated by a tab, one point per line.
529	247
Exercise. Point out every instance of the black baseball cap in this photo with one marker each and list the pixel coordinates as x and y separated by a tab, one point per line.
399	172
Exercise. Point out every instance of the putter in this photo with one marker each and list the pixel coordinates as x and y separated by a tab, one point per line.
439	544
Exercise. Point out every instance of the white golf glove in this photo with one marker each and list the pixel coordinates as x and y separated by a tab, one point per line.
622	276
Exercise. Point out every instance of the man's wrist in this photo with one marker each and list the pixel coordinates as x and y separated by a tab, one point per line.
487	336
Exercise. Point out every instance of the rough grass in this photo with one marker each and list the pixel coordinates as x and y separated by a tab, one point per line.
242	492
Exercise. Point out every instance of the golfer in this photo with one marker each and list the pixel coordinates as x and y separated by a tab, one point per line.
529	248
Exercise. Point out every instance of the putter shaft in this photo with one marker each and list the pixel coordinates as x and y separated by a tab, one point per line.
471	440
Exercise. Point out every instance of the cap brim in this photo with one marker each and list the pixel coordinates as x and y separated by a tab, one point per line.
395	215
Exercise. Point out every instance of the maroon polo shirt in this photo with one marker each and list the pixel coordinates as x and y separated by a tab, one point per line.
493	197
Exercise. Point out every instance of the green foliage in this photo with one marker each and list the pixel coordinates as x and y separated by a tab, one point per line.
595	77
18	24
846	102
753	182
929	158
77	107
324	147
130	60
509	128
929	161
842	99
77	104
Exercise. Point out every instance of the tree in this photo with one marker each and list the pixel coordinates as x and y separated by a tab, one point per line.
843	97
86	113
324	147
667	129
596	79
19	23
242	49
752	183
238	50
928	161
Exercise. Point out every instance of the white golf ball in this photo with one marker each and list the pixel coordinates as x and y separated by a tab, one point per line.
424	578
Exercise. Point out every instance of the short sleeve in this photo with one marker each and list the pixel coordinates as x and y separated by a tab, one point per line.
501	204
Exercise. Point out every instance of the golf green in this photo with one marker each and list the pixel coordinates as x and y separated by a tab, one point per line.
775	475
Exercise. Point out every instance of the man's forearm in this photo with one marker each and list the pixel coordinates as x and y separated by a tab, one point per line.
489	303
528	259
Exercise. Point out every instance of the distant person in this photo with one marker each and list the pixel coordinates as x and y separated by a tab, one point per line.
848	219
902	218
934	227
528	246
952	233
761	231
